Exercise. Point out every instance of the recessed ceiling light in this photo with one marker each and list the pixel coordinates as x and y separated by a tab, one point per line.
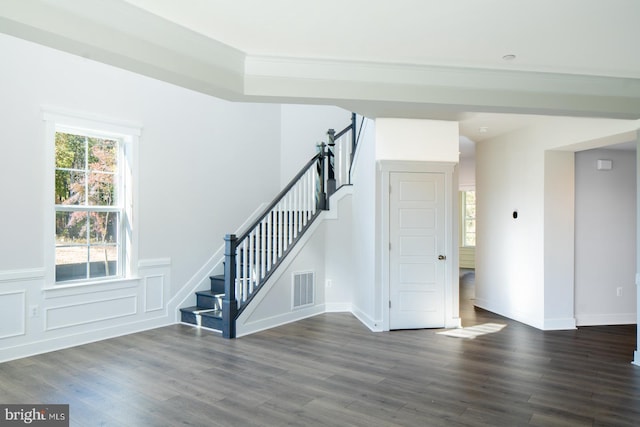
483	129
509	57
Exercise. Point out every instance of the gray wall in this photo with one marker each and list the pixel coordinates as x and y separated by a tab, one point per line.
605	238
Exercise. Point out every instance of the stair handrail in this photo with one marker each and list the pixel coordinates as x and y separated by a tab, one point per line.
260	248
343	155
248	265
281	194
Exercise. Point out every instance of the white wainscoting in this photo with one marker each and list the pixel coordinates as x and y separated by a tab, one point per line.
154	293
36	317
12	314
82	313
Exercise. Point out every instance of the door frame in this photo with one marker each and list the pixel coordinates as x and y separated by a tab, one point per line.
450	171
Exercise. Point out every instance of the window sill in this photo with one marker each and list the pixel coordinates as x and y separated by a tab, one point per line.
80	288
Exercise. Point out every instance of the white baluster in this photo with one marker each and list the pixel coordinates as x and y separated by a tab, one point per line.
245	269
280	232
296	209
269	240
238	281
263	249
250	263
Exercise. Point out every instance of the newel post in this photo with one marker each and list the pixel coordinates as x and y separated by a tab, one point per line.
331	172
321	198
229	303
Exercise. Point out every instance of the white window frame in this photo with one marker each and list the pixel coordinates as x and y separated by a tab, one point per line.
128	133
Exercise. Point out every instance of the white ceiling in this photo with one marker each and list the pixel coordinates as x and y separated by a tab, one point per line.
438	59
593	37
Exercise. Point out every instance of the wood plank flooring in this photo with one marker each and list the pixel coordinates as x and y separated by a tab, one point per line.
331	371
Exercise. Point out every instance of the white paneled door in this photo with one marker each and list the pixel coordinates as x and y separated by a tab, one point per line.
417	250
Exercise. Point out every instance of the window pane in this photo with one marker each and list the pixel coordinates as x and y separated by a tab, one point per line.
71	228
104	261
103	155
470	197
70	151
471	211
470	239
470	226
70	188
71	262
103	227
102	189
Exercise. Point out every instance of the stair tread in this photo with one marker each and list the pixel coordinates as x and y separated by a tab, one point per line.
205	312
210	293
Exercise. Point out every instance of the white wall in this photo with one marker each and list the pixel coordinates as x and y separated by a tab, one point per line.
605	241
509	177
304	126
201	174
511	171
340	253
467	166
366	294
409	139
558	240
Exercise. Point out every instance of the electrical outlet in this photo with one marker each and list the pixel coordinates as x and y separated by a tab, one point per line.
33	311
619	291
329	283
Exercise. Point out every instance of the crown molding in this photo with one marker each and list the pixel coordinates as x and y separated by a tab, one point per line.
120	34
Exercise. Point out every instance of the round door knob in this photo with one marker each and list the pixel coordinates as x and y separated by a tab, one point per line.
442	257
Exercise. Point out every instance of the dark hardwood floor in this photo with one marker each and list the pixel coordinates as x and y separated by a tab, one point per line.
330	370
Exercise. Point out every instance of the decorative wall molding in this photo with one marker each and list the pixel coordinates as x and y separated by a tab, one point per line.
154	293
61	291
12	314
154	263
82	313
23	274
45	345
91	121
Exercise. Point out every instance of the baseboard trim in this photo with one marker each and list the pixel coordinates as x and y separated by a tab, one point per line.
518	317
60	343
373	325
606	319
279	320
338	307
559	324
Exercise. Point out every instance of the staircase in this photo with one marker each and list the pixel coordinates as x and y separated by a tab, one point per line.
207	312
252	257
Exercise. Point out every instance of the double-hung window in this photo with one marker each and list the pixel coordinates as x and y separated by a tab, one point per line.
88	204
92	195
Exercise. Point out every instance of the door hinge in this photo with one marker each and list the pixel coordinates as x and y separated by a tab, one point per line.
389	303
389	245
